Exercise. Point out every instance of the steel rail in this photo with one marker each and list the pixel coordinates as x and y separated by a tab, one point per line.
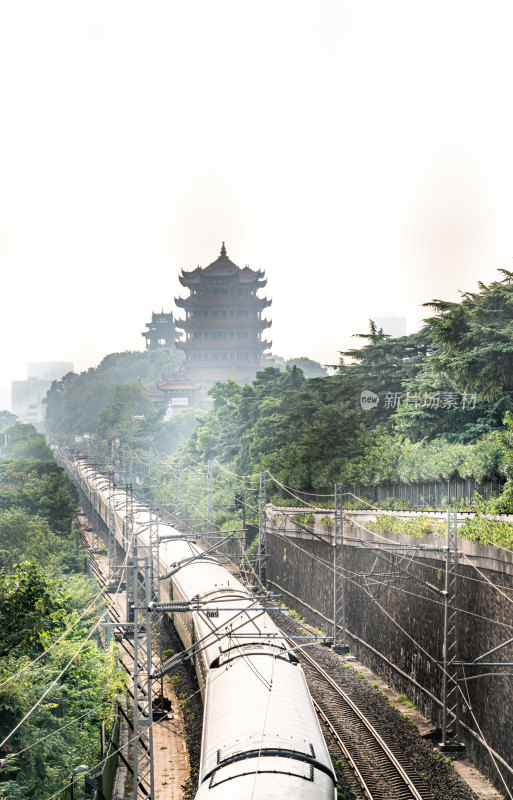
352	763
376	737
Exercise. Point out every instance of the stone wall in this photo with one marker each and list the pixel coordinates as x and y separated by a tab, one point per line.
395	623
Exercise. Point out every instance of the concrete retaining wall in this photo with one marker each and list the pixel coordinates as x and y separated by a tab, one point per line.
396	623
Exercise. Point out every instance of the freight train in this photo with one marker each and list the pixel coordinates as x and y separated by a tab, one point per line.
261	736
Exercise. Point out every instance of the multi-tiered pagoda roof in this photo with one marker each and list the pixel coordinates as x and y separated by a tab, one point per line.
223	321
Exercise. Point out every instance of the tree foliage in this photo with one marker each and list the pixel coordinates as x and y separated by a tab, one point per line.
38	488
24	441
46	613
74	404
7	419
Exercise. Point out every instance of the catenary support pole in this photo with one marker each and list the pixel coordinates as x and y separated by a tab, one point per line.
450	691
262	530
339	577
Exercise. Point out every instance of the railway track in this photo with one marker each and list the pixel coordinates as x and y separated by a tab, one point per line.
377	769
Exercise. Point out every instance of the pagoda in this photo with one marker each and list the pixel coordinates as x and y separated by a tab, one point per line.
161	332
174	392
223	322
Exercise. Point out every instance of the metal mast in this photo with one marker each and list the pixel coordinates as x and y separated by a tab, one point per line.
112	529
262	532
143	705
210	497
180	487
339	577
450	690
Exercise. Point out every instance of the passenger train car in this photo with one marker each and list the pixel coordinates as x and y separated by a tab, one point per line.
261	737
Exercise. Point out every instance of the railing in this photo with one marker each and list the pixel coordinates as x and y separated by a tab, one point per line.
434	494
99	785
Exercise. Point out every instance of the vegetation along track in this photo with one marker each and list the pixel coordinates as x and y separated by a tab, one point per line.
377	769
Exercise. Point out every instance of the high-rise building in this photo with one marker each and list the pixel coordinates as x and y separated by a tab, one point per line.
223	322
27	396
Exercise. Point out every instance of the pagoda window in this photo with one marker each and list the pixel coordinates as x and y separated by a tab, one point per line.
232	334
224	314
224	356
242	312
215	356
232	313
242	334
205	356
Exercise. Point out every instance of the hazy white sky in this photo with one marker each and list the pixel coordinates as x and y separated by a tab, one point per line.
359	152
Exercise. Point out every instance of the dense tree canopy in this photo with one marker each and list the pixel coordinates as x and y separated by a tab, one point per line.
49	611
24	441
442	395
74	404
7	419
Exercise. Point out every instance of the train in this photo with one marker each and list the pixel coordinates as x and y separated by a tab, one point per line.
261	738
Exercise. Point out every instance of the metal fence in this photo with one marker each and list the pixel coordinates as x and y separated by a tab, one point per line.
99	785
433	494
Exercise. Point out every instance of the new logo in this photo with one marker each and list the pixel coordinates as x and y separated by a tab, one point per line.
368	400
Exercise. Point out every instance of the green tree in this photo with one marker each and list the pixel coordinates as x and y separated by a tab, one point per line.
309	368
473	340
32	609
7	420
74	404
40	488
129	415
24	441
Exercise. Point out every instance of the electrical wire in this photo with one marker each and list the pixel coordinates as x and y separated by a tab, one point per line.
350	574
465	577
101	593
61	673
282	486
366	591
487	746
435	663
59	730
487	580
41	698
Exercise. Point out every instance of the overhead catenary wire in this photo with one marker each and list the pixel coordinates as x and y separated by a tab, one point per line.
434	661
58	730
45	693
61	673
465	577
351	574
63	635
487	746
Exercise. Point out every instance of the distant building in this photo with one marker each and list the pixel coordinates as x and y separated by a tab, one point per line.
49	370
392	326
174	393
27	396
161	332
223	322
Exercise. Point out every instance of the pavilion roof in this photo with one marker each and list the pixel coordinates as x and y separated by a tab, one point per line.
222	267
